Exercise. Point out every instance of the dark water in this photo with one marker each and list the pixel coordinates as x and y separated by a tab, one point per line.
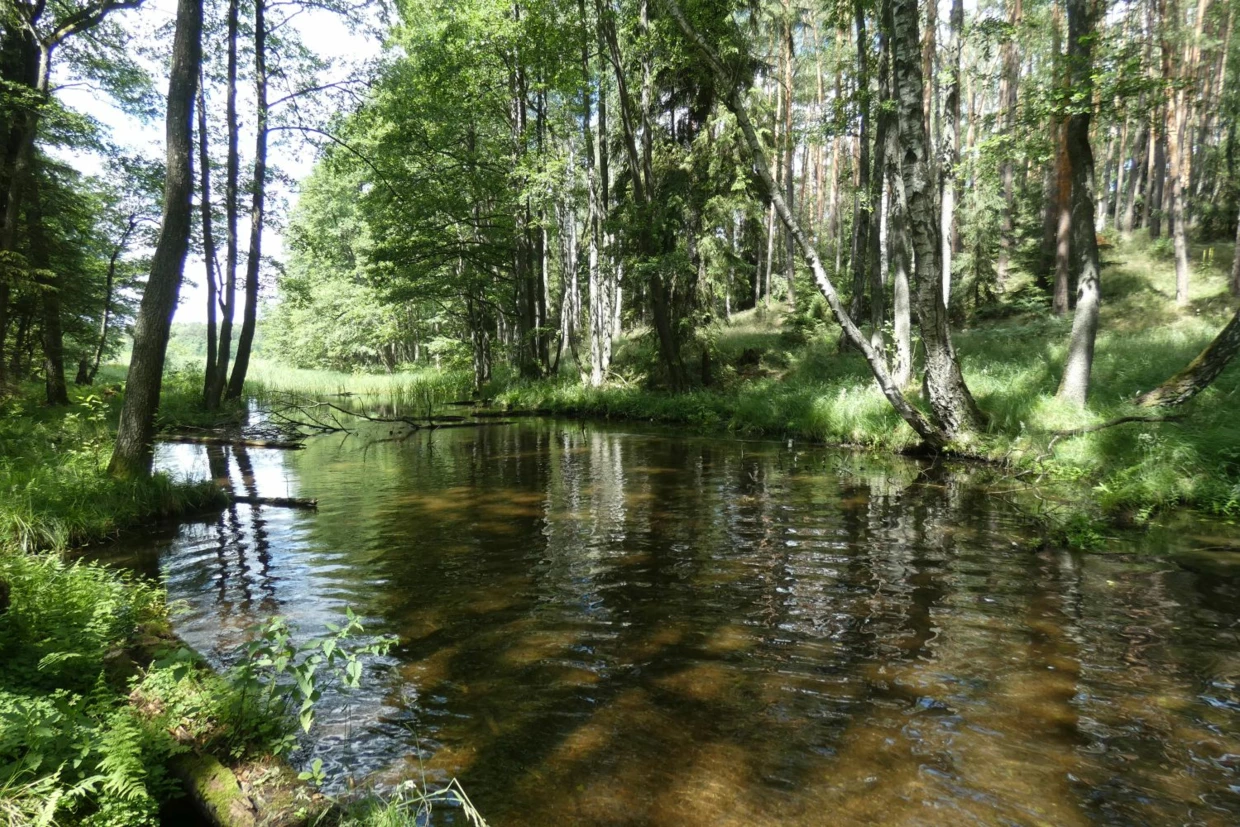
612	628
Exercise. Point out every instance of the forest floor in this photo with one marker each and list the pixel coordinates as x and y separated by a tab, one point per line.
776	378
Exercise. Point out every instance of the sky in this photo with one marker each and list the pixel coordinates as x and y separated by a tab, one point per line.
323	32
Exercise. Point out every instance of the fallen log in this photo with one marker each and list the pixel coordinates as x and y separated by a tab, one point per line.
492	414
288	445
440	427
278	502
1111	423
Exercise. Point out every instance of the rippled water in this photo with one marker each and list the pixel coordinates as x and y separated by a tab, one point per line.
600	627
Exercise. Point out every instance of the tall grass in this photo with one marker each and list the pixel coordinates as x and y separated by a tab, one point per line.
55	492
409	390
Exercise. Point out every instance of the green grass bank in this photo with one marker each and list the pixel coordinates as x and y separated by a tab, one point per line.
782	377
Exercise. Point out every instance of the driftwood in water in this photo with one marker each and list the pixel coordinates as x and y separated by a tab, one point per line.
440	427
288	445
511	414
278	502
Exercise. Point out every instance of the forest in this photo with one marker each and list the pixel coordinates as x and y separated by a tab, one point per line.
1000	237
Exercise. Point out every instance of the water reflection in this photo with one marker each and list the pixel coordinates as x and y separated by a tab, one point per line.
632	629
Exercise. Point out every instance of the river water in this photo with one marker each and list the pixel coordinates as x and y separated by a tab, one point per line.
604	626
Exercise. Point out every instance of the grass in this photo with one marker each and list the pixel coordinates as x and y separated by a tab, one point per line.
55	492
405	388
783	377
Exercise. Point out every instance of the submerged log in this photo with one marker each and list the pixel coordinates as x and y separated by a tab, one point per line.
493	414
278	502
288	445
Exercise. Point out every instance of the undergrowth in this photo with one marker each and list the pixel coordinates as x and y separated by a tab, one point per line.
55	492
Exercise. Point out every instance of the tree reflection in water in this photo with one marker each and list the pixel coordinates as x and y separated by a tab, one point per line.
602	627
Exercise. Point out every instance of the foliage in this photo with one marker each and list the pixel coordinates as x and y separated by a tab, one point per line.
70	745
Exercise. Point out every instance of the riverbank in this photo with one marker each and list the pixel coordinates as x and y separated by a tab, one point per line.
80	642
106	717
779	377
57	492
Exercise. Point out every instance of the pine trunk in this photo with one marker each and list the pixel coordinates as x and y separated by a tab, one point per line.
1074	387
1009	85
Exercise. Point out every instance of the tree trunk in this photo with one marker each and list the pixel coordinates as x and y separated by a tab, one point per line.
901	265
931	434
641	174
1235	264
790	148
951	144
879	200
1103	181
1156	176
1074	388
862	205
1136	179
1180	109
232	172
49	300
954	409
1200	372
132	455
1179	224
600	315
208	239
87	376
25	127
1063	225
236	382
1009	85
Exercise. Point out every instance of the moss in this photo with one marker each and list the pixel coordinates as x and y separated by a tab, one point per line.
216	790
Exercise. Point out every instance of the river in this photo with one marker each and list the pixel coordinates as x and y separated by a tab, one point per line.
602	626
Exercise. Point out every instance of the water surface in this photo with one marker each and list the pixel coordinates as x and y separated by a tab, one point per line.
616	628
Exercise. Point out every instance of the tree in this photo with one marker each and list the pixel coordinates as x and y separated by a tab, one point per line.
1200	372
40	31
1074	386
133	455
949	396
228	302
1009	86
935	435
253	261
951	144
